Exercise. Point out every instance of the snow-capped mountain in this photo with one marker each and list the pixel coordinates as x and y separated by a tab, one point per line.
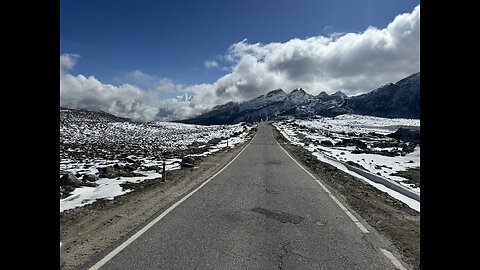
394	100
272	105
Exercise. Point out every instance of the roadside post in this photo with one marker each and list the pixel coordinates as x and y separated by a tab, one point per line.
164	176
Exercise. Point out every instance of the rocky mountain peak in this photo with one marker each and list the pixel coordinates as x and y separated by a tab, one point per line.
399	100
275	92
298	91
323	94
339	94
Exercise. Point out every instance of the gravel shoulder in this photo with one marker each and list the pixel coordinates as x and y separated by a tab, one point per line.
393	219
91	229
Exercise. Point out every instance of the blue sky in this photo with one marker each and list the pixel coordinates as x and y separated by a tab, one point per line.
184	45
173	38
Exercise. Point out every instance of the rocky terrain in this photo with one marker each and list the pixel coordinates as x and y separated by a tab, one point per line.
103	156
388	148
393	100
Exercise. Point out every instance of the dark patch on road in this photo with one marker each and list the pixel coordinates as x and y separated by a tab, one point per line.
280	216
272	163
272	191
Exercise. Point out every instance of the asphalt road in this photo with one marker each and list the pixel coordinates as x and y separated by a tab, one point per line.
261	212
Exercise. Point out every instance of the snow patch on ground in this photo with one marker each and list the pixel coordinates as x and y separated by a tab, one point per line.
410	202
89	141
311	133
106	189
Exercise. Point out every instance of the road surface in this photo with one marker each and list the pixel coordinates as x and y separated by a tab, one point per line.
263	211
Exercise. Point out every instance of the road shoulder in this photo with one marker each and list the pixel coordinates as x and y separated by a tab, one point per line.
90	230
391	218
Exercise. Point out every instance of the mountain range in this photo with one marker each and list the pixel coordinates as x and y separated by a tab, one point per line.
393	100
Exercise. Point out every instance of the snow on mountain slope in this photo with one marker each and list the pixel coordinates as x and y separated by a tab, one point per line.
394	100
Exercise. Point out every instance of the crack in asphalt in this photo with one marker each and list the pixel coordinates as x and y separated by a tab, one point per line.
285	250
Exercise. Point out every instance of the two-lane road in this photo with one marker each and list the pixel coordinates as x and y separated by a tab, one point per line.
263	211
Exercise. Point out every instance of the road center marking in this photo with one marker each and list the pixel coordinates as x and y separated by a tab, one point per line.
132	238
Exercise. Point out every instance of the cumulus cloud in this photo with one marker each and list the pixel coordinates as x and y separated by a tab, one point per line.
67	61
210	64
351	62
126	100
150	82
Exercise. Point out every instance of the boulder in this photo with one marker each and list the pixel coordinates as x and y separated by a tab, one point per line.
190	160
326	143
408	148
385	144
187	162
90	177
69	180
406	135
130	167
352	142
360	144
108	172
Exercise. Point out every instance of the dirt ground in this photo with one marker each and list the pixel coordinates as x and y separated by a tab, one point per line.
390	217
412	175
90	229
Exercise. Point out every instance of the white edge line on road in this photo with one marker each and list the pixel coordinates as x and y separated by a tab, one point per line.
352	217
392	258
132	238
387	253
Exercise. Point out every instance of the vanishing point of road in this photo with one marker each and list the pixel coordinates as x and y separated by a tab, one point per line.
261	211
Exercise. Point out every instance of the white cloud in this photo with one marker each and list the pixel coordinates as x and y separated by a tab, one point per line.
352	62
67	61
210	64
126	100
150	82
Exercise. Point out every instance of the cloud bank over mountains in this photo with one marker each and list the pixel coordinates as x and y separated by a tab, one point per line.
354	63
